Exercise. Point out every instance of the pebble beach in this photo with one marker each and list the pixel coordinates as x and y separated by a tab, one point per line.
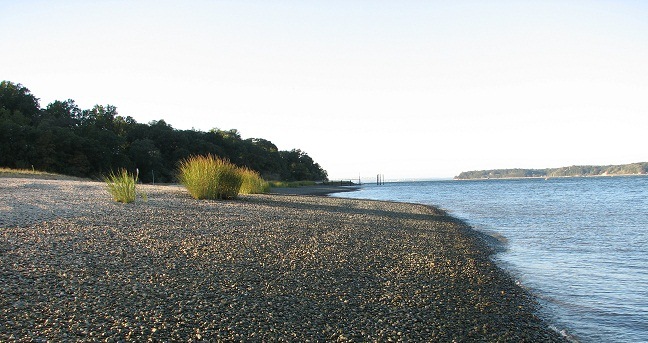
77	266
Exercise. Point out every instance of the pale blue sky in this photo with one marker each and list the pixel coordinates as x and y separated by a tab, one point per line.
409	89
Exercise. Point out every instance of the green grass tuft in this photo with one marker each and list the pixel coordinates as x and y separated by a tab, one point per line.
291	184
121	186
209	177
35	174
252	182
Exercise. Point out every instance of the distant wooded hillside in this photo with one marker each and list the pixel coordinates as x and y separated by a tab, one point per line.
64	139
624	169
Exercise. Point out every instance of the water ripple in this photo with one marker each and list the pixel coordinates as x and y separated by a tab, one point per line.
579	243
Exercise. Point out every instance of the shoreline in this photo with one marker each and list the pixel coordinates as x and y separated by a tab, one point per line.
263	267
549	177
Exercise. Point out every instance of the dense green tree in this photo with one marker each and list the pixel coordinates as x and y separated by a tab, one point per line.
263	155
63	113
300	166
18	100
146	157
65	139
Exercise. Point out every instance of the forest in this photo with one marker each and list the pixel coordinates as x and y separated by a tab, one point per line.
624	169
62	138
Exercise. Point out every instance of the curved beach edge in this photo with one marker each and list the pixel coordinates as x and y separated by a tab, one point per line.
77	266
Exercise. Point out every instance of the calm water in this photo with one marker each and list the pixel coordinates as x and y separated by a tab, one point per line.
580	244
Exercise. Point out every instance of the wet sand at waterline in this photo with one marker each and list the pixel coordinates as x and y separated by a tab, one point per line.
74	265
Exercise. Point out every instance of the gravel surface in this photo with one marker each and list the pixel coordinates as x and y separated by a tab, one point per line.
76	266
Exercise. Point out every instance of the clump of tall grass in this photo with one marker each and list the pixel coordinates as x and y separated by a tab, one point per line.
291	184
121	186
253	183
209	177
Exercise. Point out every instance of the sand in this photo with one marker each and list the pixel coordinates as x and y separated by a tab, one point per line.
76	266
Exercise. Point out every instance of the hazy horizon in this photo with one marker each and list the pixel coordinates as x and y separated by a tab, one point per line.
414	90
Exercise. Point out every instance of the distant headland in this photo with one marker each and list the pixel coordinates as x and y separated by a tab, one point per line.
640	168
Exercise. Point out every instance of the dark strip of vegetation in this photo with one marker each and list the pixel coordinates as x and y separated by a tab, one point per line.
62	138
624	169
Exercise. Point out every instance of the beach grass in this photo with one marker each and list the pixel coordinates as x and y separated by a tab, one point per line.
253	183
34	174
121	186
4	170
209	177
291	184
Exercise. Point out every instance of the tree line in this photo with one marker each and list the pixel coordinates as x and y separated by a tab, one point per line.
624	169
62	138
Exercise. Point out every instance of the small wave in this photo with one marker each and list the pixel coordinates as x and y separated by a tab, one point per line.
494	240
569	337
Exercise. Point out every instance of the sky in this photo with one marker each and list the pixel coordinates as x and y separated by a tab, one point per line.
407	89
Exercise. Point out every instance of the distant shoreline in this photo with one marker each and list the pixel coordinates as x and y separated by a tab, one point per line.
548	177
639	168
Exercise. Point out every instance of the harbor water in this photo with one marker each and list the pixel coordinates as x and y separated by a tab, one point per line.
579	244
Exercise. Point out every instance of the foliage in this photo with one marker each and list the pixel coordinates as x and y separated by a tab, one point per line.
291	184
121	186
624	169
62	138
209	177
21	171
252	182
33	173
301	167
